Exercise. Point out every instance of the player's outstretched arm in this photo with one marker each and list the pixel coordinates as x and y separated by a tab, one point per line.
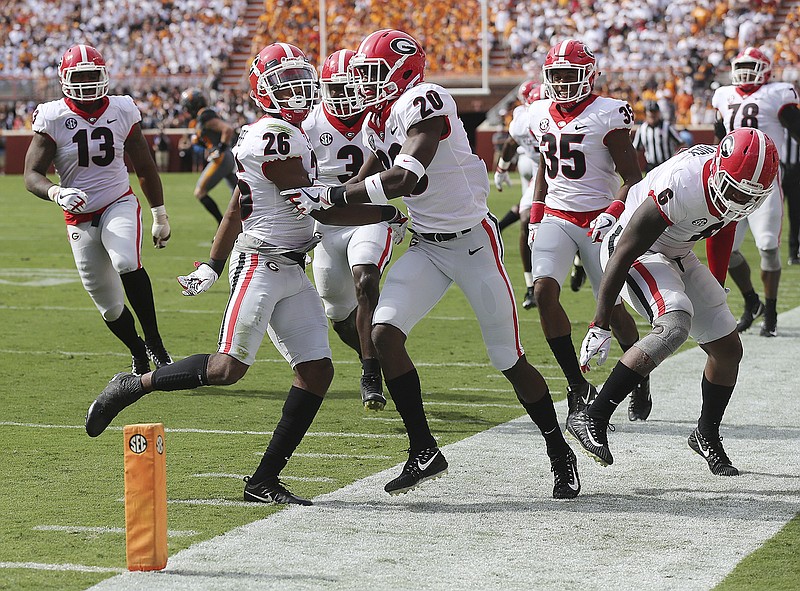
38	159
142	159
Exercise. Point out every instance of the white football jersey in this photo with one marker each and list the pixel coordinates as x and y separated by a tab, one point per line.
520	131
90	149
579	170
338	148
265	214
451	196
679	188
758	109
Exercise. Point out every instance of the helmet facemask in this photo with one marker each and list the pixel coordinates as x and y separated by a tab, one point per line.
290	87
86	88
340	97
746	71
566	92
720	183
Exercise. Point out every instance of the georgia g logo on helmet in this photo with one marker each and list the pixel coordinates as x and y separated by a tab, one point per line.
727	146
403	46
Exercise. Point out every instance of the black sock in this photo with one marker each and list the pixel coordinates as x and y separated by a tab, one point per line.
564	352
618	385
406	392
370	365
771	308
299	410
508	219
185	374
124	328
139	292
715	401
543	413
750	298
212	208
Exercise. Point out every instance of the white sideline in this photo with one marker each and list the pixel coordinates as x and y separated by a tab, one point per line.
656	519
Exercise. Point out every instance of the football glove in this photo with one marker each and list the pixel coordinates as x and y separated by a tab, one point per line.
596	342
603	223
532	228
399	226
199	280
218	150
68	198
308	199
501	177
161	231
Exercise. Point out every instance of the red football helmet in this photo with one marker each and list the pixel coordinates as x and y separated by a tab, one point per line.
386	64
569	72
747	162
750	69
283	82
83	74
338	95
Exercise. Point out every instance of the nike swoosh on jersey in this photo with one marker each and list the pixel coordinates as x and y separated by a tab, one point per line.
110	120
472	252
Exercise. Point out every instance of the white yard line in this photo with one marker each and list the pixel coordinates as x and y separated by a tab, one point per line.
80	529
656	519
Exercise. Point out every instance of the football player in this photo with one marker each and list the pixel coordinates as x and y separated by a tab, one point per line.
348	261
585	147
523	144
216	135
270	292
647	256
751	100
87	135
420	152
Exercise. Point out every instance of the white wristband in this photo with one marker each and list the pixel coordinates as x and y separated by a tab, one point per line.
53	191
502	165
411	164
159	213
375	189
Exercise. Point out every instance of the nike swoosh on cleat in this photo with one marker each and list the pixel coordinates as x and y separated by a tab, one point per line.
424	465
592	439
574	486
705	452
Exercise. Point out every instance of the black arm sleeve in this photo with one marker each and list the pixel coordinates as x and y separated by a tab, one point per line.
789	117
719	129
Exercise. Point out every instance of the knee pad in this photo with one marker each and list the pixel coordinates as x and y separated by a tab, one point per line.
112	314
736	259
669	332
770	259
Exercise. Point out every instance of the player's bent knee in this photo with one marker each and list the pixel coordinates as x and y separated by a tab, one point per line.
770	259
113	313
736	259
669	332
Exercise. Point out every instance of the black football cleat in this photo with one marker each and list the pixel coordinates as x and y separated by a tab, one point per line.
592	434
372	392
565	474
123	390
750	313
271	491
769	326
579	397
712	452
158	354
421	466
140	364
641	403
529	301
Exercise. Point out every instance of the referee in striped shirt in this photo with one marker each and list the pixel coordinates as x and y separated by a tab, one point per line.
790	162
656	137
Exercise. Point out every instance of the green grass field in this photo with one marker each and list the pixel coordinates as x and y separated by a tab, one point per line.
62	492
